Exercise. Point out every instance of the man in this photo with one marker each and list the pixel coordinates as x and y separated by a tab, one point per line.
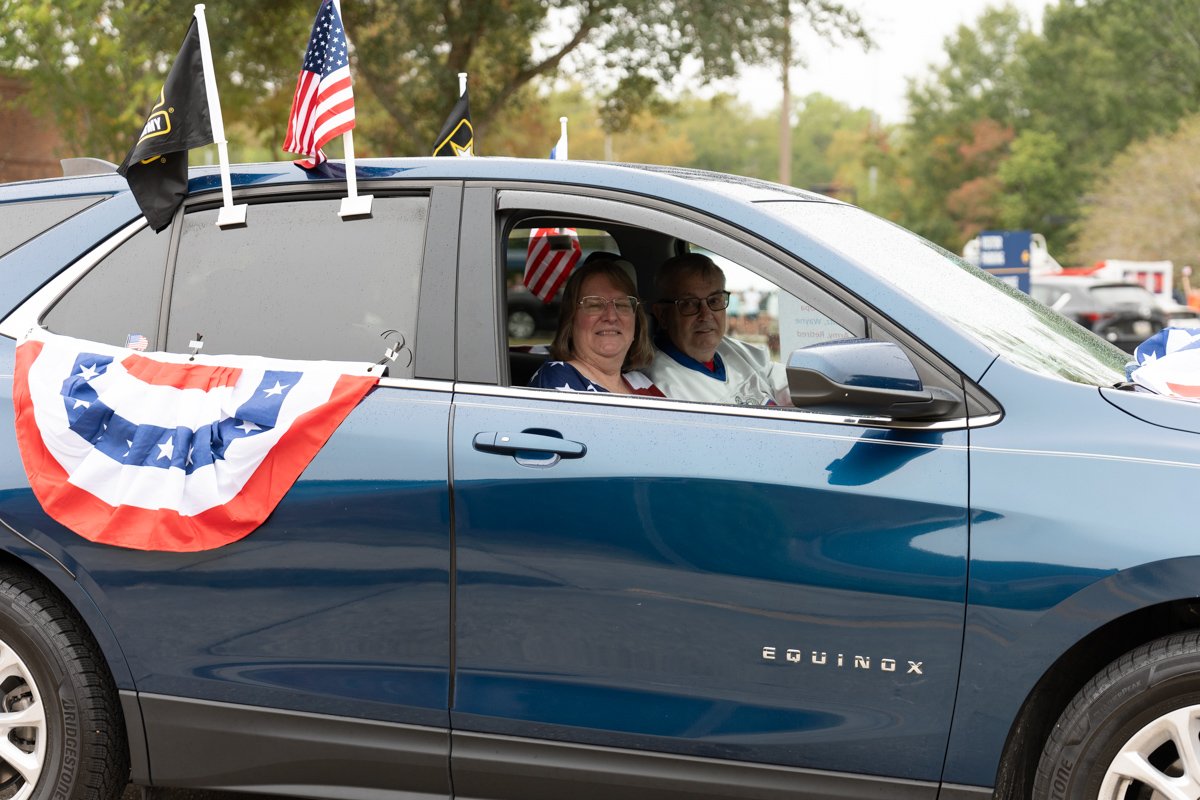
693	358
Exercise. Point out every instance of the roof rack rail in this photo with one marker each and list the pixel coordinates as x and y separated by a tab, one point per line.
73	167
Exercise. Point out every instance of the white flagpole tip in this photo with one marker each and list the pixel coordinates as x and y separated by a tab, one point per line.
200	7
462	83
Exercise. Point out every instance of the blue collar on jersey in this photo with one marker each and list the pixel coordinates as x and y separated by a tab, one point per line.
664	343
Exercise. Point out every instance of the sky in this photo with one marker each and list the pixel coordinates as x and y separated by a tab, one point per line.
910	36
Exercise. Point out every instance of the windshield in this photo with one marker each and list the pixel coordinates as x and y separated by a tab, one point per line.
1000	316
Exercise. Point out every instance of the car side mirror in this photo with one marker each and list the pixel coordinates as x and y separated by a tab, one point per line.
864	376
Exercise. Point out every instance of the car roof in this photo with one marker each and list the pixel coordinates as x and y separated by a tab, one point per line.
651	180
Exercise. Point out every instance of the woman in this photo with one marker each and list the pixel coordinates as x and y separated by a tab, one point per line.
601	339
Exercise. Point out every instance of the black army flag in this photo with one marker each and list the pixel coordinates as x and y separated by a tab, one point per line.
457	137
157	165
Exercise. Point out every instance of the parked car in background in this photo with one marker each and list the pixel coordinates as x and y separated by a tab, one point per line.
1125	314
528	314
962	565
1181	316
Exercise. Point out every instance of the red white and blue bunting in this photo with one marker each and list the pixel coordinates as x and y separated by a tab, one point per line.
161	451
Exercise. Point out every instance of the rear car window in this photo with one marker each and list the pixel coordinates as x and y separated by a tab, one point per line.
20	222
117	301
299	282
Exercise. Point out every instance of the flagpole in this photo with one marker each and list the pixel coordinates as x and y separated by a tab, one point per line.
462	89
229	215
562	121
352	204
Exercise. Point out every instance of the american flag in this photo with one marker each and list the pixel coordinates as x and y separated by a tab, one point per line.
552	254
323	106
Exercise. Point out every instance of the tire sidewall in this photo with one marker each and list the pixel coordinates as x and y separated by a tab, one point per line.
34	641
1116	713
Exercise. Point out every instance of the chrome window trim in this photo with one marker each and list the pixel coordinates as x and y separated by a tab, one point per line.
28	315
778	414
417	384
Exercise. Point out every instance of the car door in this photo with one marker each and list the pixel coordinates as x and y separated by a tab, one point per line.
333	614
716	586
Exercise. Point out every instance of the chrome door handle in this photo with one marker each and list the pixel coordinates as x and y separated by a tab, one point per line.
513	443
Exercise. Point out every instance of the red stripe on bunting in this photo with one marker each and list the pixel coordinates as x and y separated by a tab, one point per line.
1183	389
180	376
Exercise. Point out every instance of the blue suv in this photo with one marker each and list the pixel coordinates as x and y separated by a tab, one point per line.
963	566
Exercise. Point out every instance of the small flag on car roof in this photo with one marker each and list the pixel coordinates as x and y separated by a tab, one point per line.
559	151
457	136
156	167
323	103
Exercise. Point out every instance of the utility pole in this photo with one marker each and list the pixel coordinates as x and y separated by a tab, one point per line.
785	103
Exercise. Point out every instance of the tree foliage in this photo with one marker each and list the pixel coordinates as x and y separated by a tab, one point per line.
1102	74
1011	128
962	118
1146	205
95	63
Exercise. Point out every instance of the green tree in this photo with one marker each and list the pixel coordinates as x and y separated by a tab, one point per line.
1146	204
962	116
1109	72
1039	188
95	63
726	135
1103	74
981	79
822	121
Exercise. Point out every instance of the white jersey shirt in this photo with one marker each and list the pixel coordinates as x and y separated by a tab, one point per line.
743	374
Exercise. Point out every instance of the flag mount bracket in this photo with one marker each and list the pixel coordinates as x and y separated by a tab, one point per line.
357	206
232	216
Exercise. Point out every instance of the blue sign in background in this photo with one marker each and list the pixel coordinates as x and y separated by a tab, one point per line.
1006	255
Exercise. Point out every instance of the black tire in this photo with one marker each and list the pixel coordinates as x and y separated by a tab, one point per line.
1131	731
52	670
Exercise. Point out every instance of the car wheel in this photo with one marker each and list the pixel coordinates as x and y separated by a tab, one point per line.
61	730
521	324
1133	733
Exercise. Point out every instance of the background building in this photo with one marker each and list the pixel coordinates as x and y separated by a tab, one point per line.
30	146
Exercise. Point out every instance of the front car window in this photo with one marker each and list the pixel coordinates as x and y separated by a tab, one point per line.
762	313
1001	317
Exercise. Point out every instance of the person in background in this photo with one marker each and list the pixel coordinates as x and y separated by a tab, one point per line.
602	339
693	358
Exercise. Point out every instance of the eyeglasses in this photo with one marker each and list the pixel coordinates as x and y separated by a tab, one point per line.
593	305
690	306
